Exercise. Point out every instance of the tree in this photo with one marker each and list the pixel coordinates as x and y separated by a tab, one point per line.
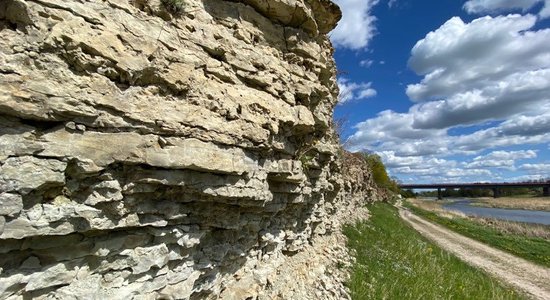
379	173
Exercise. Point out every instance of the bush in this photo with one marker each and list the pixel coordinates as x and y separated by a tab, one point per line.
379	173
174	6
408	194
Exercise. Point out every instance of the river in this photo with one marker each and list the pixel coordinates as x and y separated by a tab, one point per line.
517	215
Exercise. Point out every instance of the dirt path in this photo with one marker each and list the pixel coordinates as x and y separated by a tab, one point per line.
532	279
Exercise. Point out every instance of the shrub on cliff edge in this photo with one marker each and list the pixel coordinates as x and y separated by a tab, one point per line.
379	173
174	6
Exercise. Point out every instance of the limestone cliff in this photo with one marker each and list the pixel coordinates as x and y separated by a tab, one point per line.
157	151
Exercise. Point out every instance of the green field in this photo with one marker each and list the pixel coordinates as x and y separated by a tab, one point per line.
394	262
534	249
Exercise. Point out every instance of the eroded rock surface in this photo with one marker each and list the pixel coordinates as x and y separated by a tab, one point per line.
146	154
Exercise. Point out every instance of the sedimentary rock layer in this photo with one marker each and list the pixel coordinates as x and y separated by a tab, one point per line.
151	151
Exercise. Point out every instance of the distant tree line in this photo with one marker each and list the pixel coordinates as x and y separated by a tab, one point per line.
478	192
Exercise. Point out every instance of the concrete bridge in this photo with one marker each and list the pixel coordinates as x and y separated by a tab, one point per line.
494	186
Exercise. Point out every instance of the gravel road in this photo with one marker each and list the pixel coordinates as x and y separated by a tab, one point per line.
532	279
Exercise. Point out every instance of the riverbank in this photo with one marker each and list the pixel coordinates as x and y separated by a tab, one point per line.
528	241
528	203
393	261
447	209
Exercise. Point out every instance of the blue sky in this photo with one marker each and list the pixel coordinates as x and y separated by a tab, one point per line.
447	91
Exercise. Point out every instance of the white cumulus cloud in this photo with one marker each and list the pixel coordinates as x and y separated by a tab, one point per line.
391	131
545	12
356	28
461	57
354	91
500	159
366	63
505	155
489	77
544	167
484	6
496	6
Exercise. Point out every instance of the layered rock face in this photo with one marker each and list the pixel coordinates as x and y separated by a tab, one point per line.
154	150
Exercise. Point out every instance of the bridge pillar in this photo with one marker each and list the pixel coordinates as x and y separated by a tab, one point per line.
495	192
439	195
546	191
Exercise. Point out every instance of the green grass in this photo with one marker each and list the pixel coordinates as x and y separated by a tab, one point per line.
394	262
534	249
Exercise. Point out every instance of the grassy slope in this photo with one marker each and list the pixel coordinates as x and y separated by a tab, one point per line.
394	262
533	249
